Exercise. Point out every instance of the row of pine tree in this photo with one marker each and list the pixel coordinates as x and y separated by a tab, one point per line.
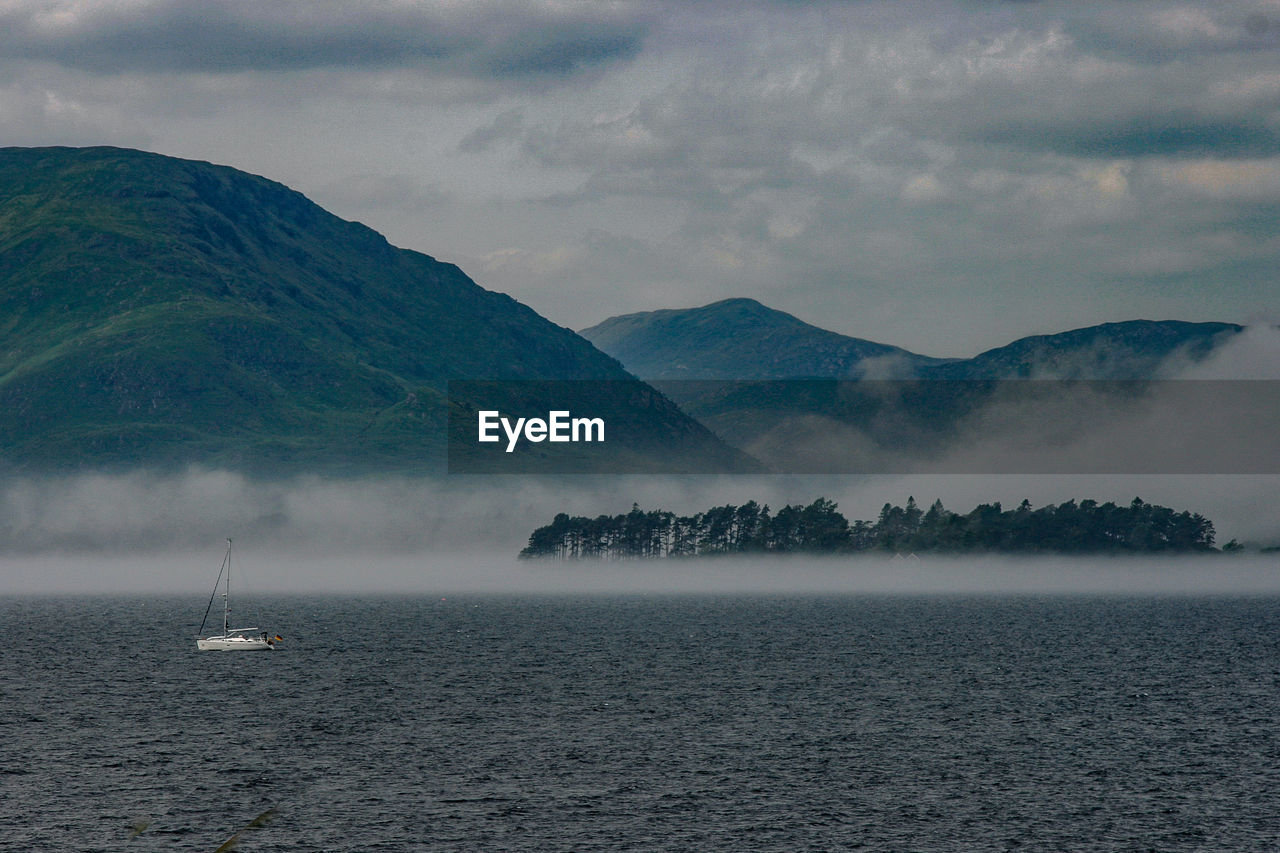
819	528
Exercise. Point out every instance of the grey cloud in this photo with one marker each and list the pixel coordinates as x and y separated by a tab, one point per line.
1049	89
1135	136
907	162
506	127
1158	32
741	124
484	38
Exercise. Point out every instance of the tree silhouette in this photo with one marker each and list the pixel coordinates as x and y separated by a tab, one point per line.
1068	528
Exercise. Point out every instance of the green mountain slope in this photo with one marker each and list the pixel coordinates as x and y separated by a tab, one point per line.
742	339
164	311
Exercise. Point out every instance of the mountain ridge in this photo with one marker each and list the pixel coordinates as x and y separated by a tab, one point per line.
714	342
802	399
161	311
723	340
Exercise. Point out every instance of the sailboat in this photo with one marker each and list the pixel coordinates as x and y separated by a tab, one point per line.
231	639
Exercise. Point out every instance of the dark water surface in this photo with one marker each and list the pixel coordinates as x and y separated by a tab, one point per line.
646	723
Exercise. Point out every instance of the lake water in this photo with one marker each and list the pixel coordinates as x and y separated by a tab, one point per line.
645	722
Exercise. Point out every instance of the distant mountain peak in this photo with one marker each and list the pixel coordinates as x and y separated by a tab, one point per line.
822	427
738	338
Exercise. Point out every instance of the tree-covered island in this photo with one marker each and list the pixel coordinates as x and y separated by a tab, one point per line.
1086	527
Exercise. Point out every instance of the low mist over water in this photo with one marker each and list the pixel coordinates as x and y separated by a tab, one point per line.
145	512
263	573
149	532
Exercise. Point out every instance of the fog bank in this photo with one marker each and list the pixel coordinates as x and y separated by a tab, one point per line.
144	513
261	573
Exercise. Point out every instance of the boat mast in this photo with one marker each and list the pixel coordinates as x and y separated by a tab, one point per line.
226	596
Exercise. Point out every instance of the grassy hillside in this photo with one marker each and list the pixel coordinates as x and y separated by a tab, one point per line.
164	311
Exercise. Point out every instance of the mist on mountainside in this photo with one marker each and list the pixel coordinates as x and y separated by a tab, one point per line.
148	512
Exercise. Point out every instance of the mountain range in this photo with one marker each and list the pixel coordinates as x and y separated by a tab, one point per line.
742	339
804	399
164	312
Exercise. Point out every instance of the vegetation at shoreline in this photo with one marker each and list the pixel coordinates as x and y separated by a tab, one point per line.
1084	527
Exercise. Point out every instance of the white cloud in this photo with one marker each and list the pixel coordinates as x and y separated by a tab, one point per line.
923	188
1253	354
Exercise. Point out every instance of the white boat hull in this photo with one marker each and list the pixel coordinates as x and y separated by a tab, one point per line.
233	644
231	639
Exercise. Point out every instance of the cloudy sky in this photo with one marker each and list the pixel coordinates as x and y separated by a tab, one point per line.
945	176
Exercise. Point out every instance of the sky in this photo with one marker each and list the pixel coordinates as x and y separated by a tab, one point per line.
942	176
